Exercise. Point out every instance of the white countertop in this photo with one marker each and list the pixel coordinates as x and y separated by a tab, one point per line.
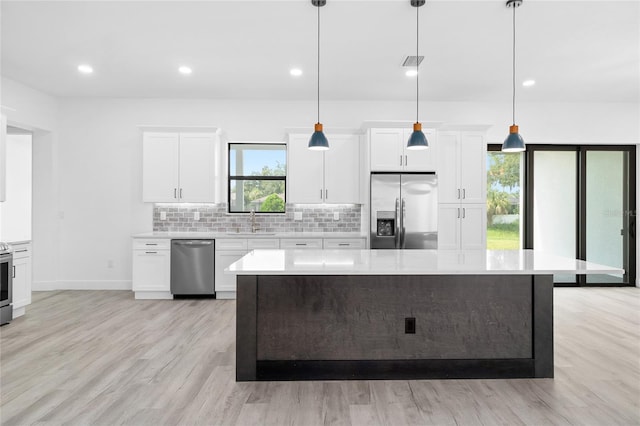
410	262
259	234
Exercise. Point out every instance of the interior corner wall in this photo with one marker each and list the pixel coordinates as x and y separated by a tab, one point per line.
36	111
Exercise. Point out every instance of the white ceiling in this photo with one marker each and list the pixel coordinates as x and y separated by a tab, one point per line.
575	50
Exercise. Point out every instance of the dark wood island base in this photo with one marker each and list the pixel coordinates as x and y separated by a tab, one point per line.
325	327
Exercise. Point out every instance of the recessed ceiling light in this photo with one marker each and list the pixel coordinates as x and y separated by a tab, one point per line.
296	72
528	83
411	73
185	70
85	69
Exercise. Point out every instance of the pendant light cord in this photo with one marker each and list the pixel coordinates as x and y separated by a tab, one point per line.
513	107
417	60
318	97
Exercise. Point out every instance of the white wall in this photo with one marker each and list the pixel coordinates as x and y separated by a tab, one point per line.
15	212
100	156
33	110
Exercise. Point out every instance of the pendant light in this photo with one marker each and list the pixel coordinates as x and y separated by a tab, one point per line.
514	142
417	140
318	141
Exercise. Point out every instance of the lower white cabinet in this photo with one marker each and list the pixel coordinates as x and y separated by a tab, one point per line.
228	250
462	227
21	290
152	269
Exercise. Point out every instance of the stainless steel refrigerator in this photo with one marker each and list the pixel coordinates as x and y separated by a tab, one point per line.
404	211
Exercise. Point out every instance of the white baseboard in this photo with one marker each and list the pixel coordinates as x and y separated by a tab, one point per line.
18	312
81	285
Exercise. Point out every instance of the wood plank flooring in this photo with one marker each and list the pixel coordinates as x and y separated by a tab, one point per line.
101	357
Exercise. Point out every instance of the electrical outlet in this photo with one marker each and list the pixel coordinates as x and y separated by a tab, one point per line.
410	325
163	215
336	216
196	215
297	216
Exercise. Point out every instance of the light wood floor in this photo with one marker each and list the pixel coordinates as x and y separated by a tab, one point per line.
100	357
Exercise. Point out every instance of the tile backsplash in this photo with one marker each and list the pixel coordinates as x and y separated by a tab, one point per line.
215	218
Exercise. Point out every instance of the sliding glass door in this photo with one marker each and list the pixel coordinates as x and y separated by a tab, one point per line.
581	203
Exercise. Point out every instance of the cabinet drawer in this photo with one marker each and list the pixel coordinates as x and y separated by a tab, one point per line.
344	243
231	244
151	244
263	244
301	243
21	250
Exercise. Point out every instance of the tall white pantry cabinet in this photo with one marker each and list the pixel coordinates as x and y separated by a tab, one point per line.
462	181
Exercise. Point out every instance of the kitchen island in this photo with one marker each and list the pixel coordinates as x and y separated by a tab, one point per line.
397	314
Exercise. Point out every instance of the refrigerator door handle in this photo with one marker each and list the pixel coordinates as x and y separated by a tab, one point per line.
396	238
404	215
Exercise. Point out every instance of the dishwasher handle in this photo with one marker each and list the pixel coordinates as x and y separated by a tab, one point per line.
198	243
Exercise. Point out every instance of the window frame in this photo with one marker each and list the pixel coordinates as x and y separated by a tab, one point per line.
242	178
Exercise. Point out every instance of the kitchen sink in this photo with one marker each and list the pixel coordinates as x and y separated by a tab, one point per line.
251	233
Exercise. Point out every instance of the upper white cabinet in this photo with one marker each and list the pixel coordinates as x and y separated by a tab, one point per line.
3	157
331	176
179	167
389	153
461	172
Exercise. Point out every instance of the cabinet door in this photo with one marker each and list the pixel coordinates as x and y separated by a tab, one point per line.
197	168
448	174
449	226
160	167
421	160
305	171
472	167
21	282
224	281
151	270
342	170
473	227
386	149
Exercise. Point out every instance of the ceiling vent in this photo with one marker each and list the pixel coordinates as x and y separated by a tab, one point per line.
412	61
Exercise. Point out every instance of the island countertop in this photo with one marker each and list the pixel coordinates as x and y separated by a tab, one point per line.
411	262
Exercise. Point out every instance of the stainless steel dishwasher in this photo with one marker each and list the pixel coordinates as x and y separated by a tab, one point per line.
192	267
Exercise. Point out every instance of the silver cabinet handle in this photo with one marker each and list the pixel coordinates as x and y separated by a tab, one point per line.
321	193
458	212
464	193
151	252
343	244
175	192
150	244
301	244
464	211
180	192
13	275
326	194
20	251
406	162
458	193
401	160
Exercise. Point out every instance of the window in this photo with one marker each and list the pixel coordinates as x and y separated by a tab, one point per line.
257	177
504	199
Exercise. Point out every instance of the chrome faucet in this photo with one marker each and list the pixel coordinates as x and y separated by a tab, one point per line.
252	218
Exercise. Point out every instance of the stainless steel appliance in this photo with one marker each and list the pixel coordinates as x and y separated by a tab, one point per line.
192	267
6	284
404	211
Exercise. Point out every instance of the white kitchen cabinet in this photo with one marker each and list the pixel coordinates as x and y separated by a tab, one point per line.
344	243
462	226
21	290
3	157
179	167
388	151
331	176
229	250
152	269
462	167
301	243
